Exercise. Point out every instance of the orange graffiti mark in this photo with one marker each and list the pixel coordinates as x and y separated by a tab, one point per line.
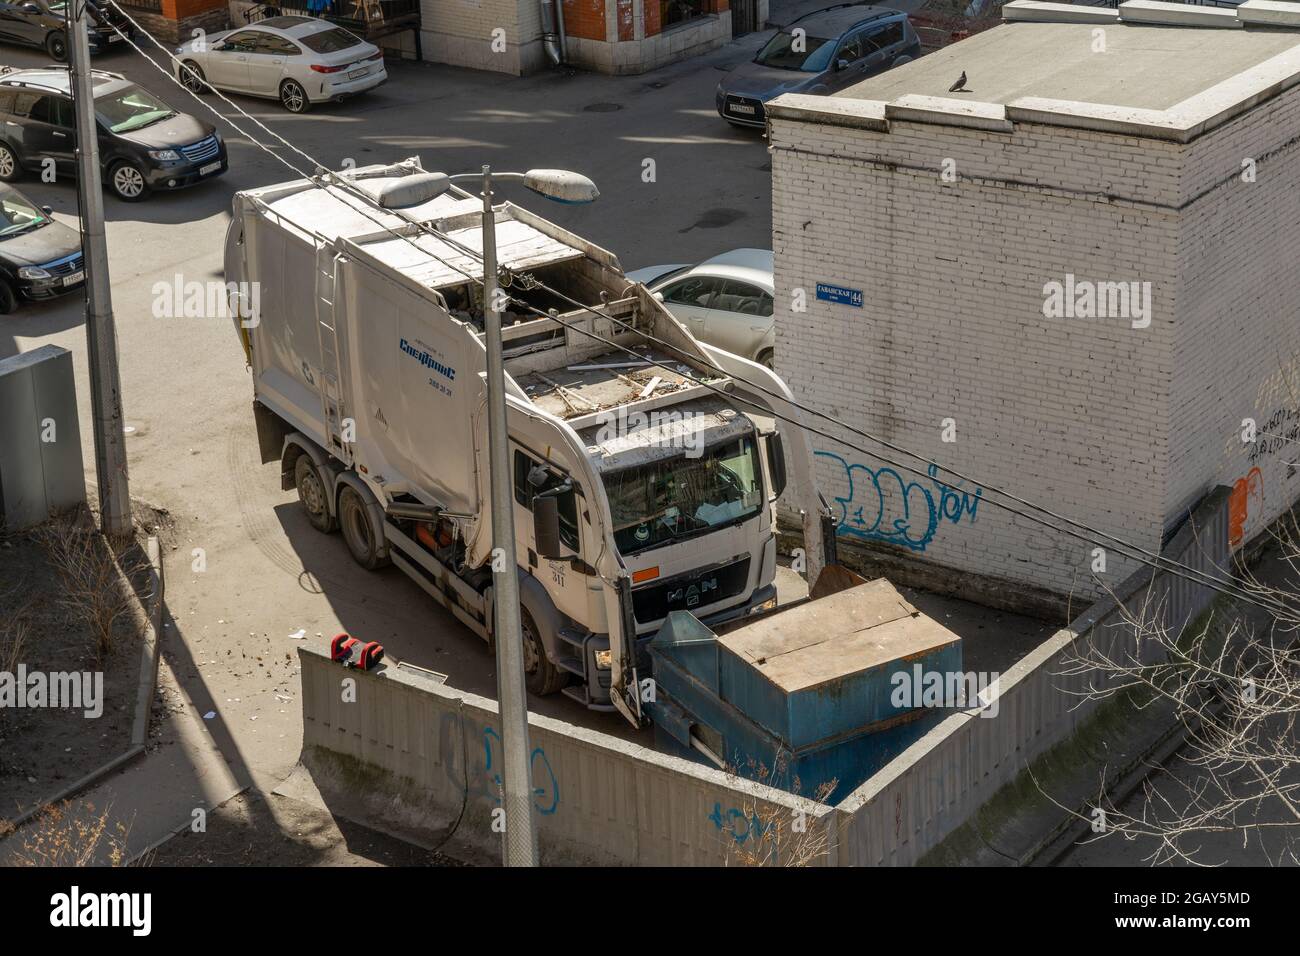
1244	490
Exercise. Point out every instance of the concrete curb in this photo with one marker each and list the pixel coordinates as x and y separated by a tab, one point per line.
149	653
178	830
149	648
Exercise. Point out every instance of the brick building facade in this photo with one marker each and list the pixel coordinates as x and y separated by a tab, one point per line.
174	21
607	36
966	223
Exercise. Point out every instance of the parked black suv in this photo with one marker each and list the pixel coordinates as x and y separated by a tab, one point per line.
43	23
144	144
39	258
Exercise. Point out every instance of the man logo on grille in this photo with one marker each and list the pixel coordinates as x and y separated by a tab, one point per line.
693	593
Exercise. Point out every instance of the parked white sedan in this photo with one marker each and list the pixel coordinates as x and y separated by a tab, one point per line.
297	60
725	301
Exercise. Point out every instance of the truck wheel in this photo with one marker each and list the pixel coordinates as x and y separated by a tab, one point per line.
311	494
767	358
357	532
540	675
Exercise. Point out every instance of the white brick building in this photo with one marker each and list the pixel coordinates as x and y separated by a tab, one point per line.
1090	148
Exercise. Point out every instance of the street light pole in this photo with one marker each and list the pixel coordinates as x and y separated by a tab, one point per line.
101	334
520	842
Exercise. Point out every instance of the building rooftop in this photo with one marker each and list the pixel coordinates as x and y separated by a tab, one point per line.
1169	71
1145	66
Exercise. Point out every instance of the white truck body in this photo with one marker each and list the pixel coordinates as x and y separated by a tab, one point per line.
368	358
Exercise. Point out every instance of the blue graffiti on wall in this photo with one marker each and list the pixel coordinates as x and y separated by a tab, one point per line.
735	822
881	505
546	789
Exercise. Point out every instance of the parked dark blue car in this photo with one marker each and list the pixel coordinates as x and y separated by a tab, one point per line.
819	53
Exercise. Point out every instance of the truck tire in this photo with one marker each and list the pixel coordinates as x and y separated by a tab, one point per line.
357	531
311	494
540	676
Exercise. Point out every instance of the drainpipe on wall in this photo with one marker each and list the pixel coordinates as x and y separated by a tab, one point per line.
553	31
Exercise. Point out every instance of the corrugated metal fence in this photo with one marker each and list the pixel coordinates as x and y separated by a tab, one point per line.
935	786
596	799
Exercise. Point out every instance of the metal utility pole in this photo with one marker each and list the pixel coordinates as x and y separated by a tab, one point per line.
101	334
520	841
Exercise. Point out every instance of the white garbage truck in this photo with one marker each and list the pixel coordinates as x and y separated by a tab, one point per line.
643	481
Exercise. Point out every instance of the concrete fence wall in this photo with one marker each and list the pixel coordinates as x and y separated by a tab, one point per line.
596	799
599	799
938	784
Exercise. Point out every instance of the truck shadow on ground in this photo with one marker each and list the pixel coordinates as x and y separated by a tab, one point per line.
388	607
255	828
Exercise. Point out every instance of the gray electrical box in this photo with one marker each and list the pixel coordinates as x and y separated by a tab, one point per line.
41	470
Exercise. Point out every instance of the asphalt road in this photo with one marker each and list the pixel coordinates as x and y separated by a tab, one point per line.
187	394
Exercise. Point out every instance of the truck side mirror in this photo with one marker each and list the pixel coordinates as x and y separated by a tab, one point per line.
546	527
776	463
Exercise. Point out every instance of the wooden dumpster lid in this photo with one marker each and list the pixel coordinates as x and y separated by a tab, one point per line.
855	630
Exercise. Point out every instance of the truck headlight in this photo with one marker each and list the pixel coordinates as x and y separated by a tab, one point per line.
164	155
32	272
605	659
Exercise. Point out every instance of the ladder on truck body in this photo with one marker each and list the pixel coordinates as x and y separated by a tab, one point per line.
330	386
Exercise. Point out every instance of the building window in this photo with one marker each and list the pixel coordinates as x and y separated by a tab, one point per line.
673	12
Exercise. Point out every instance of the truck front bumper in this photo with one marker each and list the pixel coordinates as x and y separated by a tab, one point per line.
599	679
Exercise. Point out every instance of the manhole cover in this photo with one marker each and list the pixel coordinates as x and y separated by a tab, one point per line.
602	108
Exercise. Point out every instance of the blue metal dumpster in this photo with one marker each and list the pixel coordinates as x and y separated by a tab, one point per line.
803	699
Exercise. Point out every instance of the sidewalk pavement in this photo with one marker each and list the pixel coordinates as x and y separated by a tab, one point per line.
154	797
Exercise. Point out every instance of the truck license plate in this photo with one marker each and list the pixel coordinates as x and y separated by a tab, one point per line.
210	168
741	108
74	278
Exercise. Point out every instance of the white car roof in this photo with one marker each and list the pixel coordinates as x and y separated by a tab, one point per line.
310	27
744	265
288	26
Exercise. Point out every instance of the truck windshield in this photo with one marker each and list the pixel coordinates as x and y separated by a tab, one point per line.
666	501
